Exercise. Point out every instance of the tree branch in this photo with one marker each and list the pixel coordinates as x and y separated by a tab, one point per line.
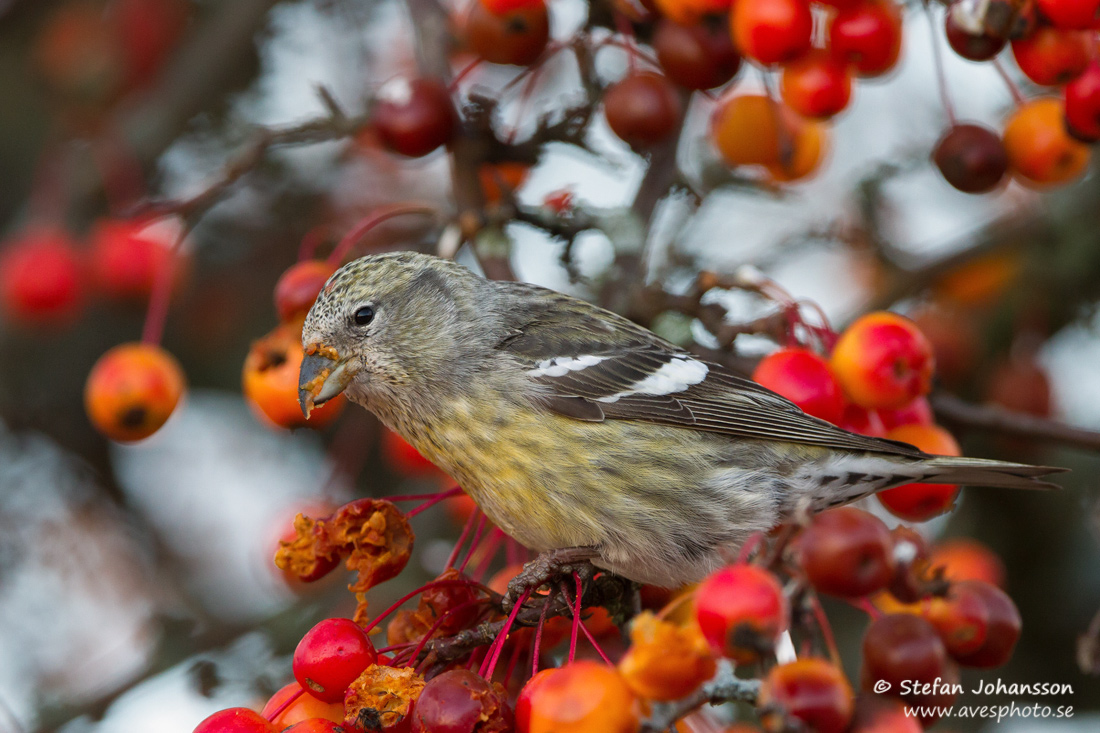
955	411
724	687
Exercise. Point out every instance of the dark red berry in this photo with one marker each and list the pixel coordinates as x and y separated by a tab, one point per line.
971	158
847	552
698	56
461	701
643	109
414	116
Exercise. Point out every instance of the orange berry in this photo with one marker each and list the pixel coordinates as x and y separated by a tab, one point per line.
919	502
752	129
963	558
304	707
1040	151
582	697
496	178
883	360
665	661
270	381
132	390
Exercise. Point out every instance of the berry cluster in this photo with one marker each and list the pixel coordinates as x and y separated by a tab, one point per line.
874	382
932	609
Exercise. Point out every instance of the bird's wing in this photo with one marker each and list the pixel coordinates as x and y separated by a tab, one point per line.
589	364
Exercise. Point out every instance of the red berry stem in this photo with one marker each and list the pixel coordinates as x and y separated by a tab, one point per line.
157	313
937	60
412	594
826	629
513	661
486	671
751	545
631	46
311	242
515	552
474	544
576	617
487	552
867	607
376	217
439	622
436	498
286	703
453	558
119	172
538	637
1017	95
466	71
597	647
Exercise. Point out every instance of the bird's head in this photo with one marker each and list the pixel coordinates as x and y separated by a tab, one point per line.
387	324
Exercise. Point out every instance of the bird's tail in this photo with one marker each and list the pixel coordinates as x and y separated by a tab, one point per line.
983	472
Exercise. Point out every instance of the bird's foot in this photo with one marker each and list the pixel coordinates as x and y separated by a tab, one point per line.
548	566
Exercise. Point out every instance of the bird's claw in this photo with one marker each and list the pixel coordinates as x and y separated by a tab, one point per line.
547	567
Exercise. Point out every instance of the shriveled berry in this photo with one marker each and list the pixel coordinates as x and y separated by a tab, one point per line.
330	656
132	391
741	611
665	661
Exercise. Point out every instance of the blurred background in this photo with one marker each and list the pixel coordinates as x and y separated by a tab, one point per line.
137	590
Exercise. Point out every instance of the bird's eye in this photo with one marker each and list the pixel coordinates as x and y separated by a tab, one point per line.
364	315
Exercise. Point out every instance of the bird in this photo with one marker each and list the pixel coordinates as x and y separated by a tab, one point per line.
583	435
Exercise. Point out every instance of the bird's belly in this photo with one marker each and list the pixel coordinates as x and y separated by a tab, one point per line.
650	498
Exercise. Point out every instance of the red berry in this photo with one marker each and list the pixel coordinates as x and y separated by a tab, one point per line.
810	691
961	618
919	501
147	32
132	391
847	552
330	656
1083	105
517	36
1052	56
972	46
772	31
643	109
901	647
697	56
1071	14
917	412
971	158
805	379
741	611
883	360
860	420
461	701
128	256
868	35
816	85
1002	626
235	720
414	116
298	287
500	7
40	278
